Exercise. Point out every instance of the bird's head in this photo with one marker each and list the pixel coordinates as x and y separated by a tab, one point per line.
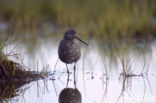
71	34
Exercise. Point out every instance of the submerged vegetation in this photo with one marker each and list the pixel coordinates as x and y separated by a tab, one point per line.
107	20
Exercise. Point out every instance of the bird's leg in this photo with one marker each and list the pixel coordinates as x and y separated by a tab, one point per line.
67	69
74	75
67	81
68	75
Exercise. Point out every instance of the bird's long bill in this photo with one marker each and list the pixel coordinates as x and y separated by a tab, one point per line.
81	41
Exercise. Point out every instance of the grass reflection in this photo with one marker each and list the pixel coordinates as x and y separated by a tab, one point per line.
10	90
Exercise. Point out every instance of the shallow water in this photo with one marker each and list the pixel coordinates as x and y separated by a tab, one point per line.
98	75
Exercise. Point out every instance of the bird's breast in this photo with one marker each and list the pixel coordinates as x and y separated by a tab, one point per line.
69	51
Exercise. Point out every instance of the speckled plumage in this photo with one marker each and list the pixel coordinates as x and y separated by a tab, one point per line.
69	51
69	48
70	95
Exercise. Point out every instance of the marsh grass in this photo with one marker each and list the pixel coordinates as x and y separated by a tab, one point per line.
45	72
128	70
13	71
126	67
127	86
106	20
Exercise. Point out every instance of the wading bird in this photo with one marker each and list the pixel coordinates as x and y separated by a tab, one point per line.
69	49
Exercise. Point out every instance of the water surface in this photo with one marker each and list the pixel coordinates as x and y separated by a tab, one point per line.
98	75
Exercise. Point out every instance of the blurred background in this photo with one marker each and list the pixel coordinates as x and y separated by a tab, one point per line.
122	39
104	20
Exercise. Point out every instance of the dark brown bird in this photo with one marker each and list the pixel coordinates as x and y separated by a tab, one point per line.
70	95
69	49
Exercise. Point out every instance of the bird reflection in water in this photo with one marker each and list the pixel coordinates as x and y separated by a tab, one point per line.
70	95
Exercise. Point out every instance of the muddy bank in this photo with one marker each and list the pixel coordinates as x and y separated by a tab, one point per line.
13	71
